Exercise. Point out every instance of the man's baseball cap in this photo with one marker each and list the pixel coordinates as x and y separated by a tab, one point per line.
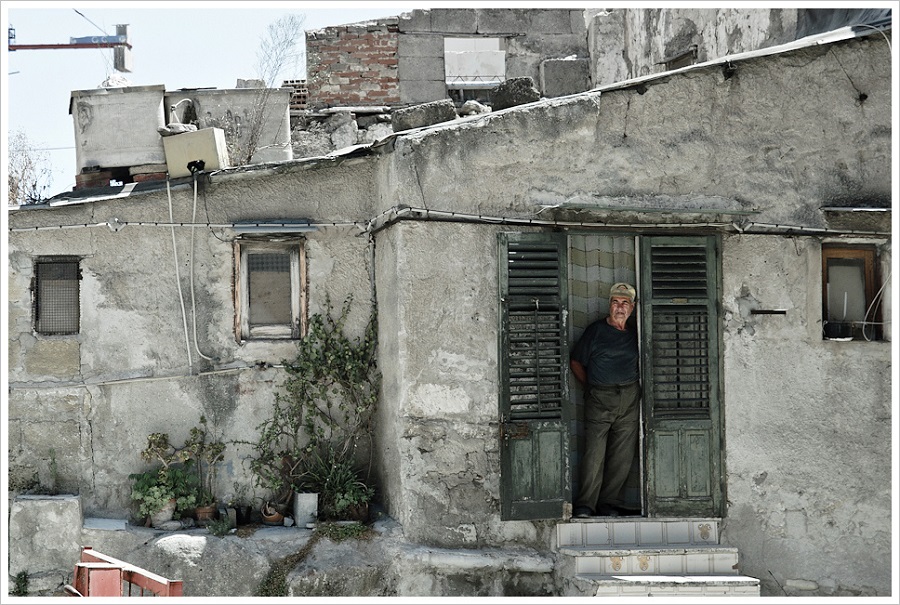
624	290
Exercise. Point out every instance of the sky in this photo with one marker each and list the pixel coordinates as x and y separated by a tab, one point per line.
176	44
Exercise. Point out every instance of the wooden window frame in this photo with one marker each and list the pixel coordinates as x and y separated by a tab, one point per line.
868	255
243	330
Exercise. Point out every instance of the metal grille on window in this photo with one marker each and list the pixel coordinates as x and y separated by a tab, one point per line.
535	345
269	288
57	306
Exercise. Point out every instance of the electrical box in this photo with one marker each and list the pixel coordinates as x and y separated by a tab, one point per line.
207	144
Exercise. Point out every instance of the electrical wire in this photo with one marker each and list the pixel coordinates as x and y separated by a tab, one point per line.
107	62
191	263
873	305
187	339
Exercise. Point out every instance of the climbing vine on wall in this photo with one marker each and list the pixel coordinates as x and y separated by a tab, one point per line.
323	411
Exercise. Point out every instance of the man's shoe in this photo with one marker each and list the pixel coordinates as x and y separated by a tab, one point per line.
582	512
605	510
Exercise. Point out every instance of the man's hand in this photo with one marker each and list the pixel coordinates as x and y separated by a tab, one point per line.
579	371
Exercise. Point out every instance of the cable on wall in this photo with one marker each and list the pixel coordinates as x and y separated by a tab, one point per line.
191	263
187	339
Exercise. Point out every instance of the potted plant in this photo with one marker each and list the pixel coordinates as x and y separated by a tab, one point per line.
239	501
342	494
163	493
168	489
321	418
205	453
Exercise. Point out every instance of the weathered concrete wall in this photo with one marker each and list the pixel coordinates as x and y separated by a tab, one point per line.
100	116
531	36
807	423
626	43
438	424
256	121
773	139
746	140
87	402
781	136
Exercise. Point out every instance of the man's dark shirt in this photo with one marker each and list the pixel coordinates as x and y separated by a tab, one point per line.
609	356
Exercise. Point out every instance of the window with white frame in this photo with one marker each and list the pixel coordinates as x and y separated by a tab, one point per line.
56	295
270	289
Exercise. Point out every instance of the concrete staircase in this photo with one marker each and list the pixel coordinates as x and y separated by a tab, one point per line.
639	557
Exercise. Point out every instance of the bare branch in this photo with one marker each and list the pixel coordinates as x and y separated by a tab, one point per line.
29	171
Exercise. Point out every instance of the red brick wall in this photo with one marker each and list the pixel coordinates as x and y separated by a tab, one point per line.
352	65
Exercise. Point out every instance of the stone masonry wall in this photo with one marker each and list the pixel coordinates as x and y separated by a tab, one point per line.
400	60
353	64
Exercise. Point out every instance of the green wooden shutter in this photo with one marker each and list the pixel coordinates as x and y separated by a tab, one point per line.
534	359
680	359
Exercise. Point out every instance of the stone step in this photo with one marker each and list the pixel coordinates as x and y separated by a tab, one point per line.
668	585
637	531
647	560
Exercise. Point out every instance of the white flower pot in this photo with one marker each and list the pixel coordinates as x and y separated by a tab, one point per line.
306	508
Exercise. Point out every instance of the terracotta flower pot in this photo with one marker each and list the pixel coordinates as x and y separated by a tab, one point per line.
205	514
271	516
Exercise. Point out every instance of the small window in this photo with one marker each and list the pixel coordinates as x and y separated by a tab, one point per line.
57	307
271	293
851	308
472	67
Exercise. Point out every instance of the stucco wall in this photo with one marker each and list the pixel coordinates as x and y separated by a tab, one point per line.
771	138
777	139
626	43
781	136
94	397
439	421
807	428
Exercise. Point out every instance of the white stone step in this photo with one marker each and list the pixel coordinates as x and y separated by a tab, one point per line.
669	585
646	560
638	531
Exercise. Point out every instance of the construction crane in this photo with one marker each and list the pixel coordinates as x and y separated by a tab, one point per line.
122	59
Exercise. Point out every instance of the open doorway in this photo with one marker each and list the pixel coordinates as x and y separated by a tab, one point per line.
596	262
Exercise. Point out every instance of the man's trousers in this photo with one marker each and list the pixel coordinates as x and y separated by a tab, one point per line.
611	417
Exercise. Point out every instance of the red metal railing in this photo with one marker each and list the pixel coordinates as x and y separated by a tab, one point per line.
99	575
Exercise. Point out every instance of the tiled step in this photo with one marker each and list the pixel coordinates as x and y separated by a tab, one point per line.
646	560
636	531
676	586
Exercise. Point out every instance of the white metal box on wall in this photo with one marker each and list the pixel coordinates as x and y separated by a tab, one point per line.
207	144
117	127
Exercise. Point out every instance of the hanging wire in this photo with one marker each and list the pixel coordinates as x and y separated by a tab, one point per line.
106	60
187	339
89	21
876	300
191	262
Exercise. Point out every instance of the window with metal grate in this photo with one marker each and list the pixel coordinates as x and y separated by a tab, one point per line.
56	295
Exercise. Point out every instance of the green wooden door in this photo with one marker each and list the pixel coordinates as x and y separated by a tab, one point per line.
680	365
534	360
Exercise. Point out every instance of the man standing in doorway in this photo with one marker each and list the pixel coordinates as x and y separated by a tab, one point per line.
605	362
